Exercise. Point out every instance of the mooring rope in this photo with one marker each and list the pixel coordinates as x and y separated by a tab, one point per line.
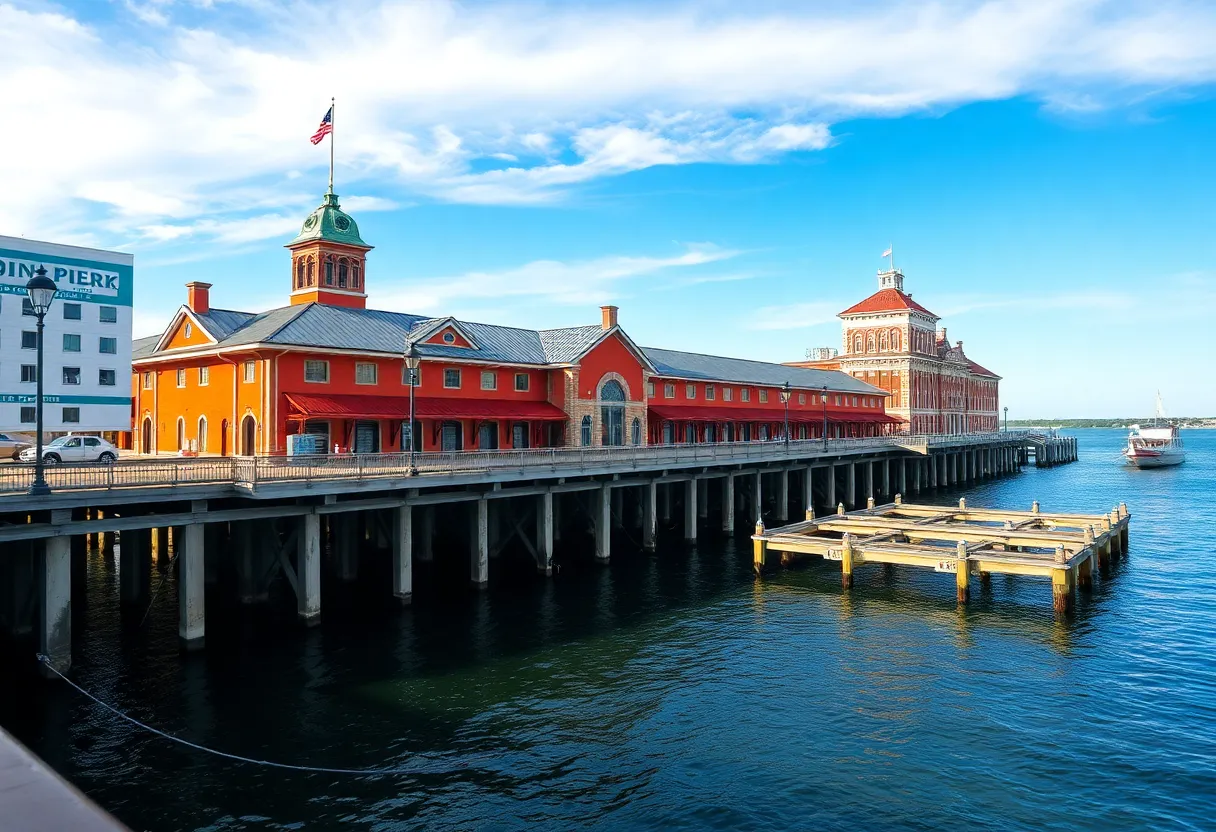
358	772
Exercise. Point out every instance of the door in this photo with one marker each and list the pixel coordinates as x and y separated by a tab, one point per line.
224	438
92	448
249	435
519	435
450	437
367	437
145	436
72	450
487	436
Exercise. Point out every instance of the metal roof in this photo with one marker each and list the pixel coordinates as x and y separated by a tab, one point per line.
221	323
143	347
563	346
694	365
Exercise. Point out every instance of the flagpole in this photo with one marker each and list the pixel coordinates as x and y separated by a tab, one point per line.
331	145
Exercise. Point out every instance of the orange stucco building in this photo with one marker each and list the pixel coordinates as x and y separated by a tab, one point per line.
221	381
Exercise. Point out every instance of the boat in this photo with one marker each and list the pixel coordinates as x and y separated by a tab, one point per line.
1158	446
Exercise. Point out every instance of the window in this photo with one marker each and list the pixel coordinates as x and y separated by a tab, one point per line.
27	308
107	346
71	415
612	414
636	431
106	378
522	380
29	340
365	372
854	401
316	371
451	378
29	415
405	376
802	398
249	372
745	395
71	375
71	342
690	391
585	431
836	400
181	378
669	391
489	380
329	271
727	392
449	338
71	311
204	376
650	389
710	393
147	381
342	271
109	314
202	434
29	373
189	329
763	396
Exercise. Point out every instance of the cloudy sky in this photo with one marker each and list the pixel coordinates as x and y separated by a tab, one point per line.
727	173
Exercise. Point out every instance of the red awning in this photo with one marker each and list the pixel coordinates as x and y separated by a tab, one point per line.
687	413
425	407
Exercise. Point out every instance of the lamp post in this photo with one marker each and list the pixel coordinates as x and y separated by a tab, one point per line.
824	398
785	400
412	361
1006	418
41	291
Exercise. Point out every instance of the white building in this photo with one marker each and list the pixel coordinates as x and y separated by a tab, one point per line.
87	346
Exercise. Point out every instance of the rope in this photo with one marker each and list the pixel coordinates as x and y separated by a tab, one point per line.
359	772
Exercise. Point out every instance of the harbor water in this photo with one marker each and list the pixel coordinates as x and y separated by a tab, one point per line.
675	691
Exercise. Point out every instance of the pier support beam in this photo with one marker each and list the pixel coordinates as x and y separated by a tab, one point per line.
702	498
135	566
191	585
962	574
544	534
308	569
933	471
850	485
402	534
808	490
869	482
479	552
759	550
650	497
728	504
345	530
846	562
830	497
1085	573
903	476
783	497
757	502
690	511
55	597
603	523
1062	590
886	479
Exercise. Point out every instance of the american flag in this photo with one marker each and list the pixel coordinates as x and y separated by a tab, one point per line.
327	127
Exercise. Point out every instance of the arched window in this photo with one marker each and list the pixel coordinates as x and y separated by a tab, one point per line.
711	433
354	276
690	434
300	274
202	434
181	433
857	343
895	340
885	343
612	413
669	433
312	272
329	271
870	342
635	431
343	272
585	431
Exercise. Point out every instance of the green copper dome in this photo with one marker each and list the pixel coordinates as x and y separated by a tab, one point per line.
331	224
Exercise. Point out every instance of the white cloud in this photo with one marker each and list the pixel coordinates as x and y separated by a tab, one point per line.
147	126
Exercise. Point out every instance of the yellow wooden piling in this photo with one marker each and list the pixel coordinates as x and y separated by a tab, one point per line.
840	509
1062	583
810	513
899	499
1085	573
869	502
759	549
961	572
846	561
1034	507
962	503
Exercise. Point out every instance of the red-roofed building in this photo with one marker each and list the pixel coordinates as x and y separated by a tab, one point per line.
892	342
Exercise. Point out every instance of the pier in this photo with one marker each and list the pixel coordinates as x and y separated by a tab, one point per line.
969	543
235	525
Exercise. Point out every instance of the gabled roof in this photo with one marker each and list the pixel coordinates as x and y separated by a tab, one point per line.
887	300
565	346
143	347
693	365
425	329
980	371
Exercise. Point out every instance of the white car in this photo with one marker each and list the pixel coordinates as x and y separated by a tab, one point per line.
74	449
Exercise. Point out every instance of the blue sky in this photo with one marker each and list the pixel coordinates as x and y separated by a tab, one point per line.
727	177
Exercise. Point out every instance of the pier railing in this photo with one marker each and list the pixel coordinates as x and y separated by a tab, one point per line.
249	472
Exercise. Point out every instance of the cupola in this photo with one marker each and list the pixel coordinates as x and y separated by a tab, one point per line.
329	258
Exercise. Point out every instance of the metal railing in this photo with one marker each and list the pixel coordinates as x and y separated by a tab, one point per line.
249	472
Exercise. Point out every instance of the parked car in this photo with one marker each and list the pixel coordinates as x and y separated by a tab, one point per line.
12	445
74	449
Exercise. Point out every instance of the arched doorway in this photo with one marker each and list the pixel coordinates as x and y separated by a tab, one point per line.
224	437
249	433
612	413
145	436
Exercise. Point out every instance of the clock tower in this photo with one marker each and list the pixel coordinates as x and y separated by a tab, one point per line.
329	259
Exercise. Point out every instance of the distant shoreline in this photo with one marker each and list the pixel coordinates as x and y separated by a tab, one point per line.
1192	423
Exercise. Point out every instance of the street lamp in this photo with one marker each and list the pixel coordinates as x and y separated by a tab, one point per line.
41	291
824	398
785	400
412	362
1006	418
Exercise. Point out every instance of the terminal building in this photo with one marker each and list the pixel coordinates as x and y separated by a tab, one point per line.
892	342
87	339
232	382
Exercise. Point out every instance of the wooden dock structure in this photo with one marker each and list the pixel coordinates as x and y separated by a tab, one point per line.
966	542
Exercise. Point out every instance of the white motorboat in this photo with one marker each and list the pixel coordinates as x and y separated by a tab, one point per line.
1158	446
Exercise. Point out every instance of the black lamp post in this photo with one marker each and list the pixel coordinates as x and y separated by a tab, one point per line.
1006	418
412	362
41	290
785	400
824	398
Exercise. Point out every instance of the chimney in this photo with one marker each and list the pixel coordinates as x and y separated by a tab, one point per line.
608	317
198	297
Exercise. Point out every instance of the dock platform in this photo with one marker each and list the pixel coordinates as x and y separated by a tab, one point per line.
966	542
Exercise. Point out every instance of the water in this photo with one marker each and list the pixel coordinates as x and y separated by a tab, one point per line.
675	692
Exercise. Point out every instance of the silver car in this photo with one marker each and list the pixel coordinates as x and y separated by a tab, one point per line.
12	446
74	449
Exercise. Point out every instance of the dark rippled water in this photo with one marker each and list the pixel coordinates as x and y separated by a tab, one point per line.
675	692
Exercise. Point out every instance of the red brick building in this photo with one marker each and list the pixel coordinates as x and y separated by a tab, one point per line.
236	382
894	343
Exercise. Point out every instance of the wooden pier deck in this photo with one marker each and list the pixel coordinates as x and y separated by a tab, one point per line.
966	542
